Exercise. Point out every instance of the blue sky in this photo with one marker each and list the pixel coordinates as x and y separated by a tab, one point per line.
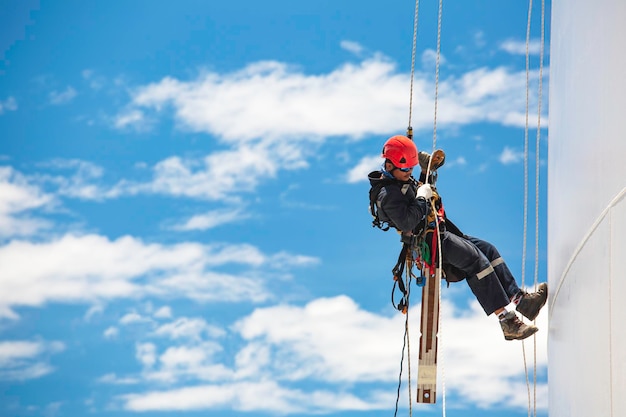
183	205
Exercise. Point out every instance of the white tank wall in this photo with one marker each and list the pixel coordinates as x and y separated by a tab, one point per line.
587	209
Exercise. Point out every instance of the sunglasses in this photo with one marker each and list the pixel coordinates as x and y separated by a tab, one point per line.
405	169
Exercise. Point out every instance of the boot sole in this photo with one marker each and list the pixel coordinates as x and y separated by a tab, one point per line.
531	332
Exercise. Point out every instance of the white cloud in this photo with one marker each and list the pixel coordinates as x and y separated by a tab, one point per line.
288	115
328	341
352	47
312	340
207	179
164	312
195	362
188	328
245	396
73	178
112	378
306	343
193	178
491	95
364	167
188	353
211	219
92	268
510	156
285	260
517	47
460	160
134	118
277	101
17	194
9	104
21	359
146	354
96	309
63	97
429	59
496	365
184	357
188	358
111	333
17	198
133	318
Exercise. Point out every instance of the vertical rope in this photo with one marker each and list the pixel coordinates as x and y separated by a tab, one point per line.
525	233
440	266
417	4
537	145
525	220
408	275
409	132
395	414
407	342
437	78
406	332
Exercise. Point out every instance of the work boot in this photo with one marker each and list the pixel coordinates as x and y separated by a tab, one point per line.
531	303
514	329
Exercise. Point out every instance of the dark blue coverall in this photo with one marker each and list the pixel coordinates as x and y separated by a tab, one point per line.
474	259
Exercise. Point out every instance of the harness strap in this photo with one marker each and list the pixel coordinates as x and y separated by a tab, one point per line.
397	271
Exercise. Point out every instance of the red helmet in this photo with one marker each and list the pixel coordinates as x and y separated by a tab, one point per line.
401	151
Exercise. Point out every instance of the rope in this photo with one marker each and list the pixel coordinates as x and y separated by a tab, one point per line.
428	170
410	134
436	80
410	129
405	344
537	160
440	266
537	145
525	233
395	414
406	331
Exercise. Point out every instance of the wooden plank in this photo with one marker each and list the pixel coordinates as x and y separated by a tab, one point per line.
429	326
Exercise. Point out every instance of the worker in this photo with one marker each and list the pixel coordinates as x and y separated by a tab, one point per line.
404	203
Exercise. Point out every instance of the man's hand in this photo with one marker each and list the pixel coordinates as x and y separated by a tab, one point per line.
425	192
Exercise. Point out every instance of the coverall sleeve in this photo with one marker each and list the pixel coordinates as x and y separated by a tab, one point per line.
405	211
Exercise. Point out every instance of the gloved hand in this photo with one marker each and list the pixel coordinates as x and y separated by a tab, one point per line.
425	191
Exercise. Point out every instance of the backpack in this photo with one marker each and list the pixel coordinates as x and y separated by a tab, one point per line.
384	223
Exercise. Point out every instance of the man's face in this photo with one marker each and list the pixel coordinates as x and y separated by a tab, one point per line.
397	173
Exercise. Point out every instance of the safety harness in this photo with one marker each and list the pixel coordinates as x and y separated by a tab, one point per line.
418	250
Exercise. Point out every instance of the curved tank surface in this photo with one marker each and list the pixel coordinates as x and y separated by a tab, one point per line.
587	209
